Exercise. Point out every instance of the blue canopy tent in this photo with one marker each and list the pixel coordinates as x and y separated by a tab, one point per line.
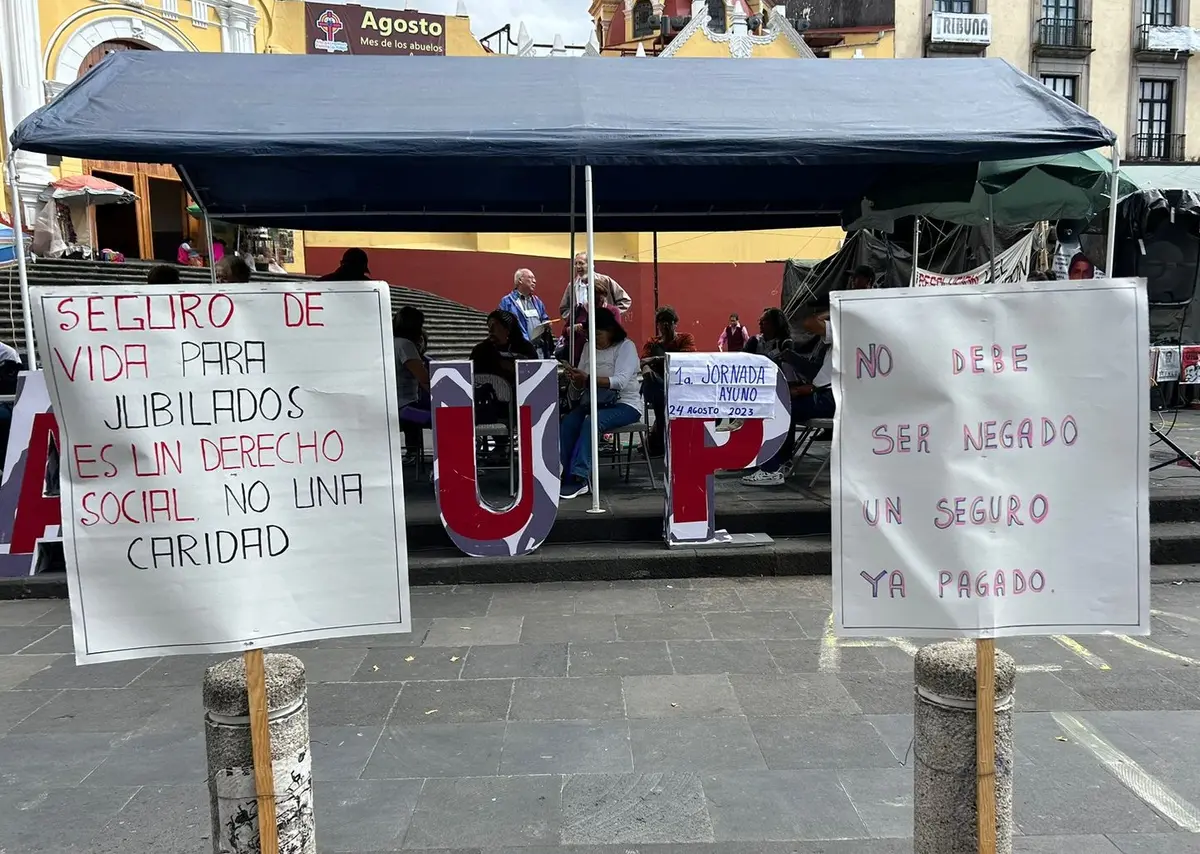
487	144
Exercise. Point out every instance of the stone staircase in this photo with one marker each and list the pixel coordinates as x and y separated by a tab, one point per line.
452	328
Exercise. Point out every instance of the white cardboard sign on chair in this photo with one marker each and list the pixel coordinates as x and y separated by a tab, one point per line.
989	476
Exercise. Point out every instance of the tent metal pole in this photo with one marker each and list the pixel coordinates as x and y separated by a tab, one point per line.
656	271
22	269
916	253
591	339
1110	251
212	265
991	240
570	331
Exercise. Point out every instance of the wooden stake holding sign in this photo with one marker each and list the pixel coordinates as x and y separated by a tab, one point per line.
260	740
985	743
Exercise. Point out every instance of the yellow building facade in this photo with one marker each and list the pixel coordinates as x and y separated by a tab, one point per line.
1128	62
47	44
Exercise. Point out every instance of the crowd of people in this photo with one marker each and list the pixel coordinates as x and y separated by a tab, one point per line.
630	380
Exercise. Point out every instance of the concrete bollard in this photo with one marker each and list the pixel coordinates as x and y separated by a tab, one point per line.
944	814
231	764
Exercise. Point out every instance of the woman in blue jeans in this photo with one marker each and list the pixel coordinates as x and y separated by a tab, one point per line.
618	397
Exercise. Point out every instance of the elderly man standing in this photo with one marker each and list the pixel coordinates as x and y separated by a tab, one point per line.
576	292
528	308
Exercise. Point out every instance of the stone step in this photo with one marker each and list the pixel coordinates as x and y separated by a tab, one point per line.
785	557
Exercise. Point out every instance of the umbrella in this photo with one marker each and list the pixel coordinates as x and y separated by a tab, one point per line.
1013	192
90	189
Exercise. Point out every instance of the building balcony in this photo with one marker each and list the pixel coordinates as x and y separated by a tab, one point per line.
1155	43
952	32
1056	37
1158	148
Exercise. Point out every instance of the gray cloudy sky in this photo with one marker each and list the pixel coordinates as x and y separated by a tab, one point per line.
544	18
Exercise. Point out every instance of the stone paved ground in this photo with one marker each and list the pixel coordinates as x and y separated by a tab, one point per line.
688	717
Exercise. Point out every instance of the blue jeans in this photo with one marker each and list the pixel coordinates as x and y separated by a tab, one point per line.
575	436
819	404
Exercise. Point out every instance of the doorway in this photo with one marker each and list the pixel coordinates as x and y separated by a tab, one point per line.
117	225
168	205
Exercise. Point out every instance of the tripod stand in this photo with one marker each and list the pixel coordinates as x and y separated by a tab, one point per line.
1181	456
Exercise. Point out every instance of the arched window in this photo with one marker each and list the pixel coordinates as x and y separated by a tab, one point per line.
716	15
97	54
643	11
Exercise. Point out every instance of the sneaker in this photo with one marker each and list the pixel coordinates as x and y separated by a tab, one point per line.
574	489
764	478
729	425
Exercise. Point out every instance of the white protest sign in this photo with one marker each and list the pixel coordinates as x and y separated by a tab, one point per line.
989	475
1012	265
230	465
721	385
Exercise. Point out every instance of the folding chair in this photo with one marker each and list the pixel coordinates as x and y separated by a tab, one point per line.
809	431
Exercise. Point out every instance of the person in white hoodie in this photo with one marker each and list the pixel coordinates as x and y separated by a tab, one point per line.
618	399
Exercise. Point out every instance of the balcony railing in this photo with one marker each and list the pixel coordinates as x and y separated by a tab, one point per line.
1063	34
1163	147
1150	42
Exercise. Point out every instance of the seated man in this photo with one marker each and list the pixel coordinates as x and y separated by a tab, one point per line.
809	400
654	363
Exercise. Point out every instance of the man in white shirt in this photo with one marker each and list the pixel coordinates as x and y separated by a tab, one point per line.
576	292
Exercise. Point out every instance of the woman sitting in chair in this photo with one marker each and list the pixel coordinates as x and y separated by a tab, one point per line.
618	400
412	378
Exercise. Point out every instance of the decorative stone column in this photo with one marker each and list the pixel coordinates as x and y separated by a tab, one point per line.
238	20
24	92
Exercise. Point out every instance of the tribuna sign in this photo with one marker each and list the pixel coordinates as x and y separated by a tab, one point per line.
959	28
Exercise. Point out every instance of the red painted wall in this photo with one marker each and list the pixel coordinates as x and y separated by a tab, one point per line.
616	27
703	294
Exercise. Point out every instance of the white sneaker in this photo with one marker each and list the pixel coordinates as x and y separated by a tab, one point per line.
764	478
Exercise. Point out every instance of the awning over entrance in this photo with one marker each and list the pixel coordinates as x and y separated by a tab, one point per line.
479	144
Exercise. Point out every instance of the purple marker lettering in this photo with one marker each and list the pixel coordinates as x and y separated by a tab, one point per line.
896	584
1025	433
977	359
1048	432
903	439
973	440
957	361
1068	423
869	516
1036	513
1006	435
1014	507
1037	581
997	359
873	581
892	509
922	438
964	585
944	581
943	507
880	434
998	585
989	435
1019	358
1018	582
981	585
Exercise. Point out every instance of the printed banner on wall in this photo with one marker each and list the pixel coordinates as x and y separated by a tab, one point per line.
1189	365
1167	367
1012	265
230	467
965	486
334	28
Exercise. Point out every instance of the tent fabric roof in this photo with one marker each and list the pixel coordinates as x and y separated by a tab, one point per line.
457	143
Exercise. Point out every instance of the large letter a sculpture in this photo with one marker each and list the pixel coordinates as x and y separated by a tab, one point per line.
474	527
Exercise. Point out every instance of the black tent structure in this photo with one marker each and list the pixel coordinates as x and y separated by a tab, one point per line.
487	144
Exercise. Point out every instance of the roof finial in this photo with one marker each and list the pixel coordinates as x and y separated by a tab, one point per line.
641	50
523	37
593	45
461	11
560	47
